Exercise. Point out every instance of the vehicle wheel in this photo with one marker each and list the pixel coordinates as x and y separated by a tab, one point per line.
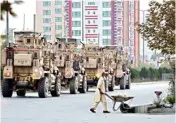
87	88
129	83
43	87
122	83
84	86
111	87
21	93
74	85
57	88
7	87
124	108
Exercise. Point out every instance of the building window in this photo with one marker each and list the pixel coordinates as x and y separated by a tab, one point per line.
119	31
76	32
88	12
106	23
119	22
106	13
58	2
131	5
48	37
58	11
94	40
106	32
106	5
93	12
88	31
106	41
93	31
119	40
94	21
58	19
91	3
76	5
88	21
46	12
58	35
46	20
46	29
58	27
119	13
119	4
76	23
46	3
76	14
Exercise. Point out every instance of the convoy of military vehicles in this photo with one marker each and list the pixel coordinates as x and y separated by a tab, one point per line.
34	64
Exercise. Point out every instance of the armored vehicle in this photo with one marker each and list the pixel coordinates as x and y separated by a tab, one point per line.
122	73
29	66
70	66
93	64
110	63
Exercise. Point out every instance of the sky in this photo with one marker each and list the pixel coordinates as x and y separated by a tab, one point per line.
29	9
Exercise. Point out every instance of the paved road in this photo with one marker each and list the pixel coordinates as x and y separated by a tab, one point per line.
75	108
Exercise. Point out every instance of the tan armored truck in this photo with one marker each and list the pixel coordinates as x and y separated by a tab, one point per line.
70	66
110	63
28	66
122	73
93	64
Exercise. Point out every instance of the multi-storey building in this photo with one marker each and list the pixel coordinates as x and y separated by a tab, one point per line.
103	22
50	18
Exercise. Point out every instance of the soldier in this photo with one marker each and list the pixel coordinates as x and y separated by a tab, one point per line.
76	65
100	93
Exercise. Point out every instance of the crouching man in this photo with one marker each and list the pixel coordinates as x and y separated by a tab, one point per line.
100	93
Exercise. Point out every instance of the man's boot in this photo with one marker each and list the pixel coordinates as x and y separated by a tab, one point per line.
106	112
92	110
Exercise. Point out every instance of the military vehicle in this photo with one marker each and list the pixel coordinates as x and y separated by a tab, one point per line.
70	66
93	64
28	65
122	73
110	63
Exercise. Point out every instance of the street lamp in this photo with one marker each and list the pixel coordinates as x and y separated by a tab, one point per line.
143	13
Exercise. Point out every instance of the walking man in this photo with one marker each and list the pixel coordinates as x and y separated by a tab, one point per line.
100	93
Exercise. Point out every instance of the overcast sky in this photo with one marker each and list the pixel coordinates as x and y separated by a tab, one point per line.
28	8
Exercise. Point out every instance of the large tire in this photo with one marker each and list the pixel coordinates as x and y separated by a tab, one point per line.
128	86
111	87
122	83
84	86
87	88
57	88
21	93
43	87
74	85
7	87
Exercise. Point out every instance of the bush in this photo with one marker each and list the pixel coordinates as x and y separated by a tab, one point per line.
134	74
148	74
170	99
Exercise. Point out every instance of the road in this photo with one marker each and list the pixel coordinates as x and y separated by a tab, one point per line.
75	108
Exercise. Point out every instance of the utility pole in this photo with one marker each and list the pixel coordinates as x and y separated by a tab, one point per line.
7	28
143	13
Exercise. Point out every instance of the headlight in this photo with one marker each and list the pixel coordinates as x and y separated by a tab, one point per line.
98	75
36	70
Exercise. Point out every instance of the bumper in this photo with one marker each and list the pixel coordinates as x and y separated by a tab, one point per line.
92	82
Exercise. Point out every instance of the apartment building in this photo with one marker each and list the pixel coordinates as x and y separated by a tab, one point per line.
101	22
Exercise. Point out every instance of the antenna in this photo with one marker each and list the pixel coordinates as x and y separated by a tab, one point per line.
24	22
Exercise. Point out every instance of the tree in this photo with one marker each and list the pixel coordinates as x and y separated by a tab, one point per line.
159	29
6	6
